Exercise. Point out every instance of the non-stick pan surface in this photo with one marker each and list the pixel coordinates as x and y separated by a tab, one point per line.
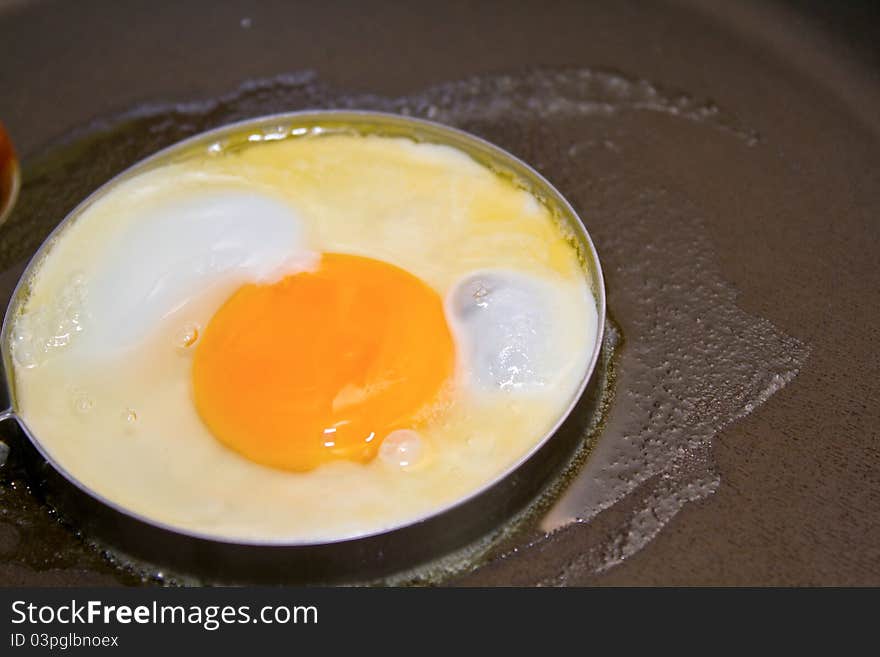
726	160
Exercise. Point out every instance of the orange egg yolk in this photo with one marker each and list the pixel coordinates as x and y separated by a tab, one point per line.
322	365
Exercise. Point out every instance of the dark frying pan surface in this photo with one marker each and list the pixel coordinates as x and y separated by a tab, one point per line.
725	161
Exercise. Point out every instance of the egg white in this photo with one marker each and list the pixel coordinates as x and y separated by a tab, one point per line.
103	381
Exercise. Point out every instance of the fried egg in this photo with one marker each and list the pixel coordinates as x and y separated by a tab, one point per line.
305	339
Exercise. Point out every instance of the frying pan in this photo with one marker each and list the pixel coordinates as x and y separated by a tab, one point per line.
790	225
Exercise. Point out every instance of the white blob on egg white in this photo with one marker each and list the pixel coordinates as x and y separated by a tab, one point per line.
520	333
175	251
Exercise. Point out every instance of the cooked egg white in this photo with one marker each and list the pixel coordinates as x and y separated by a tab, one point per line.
145	354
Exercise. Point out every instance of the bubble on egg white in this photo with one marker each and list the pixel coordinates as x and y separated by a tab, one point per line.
186	336
23	350
129	419
505	320
401	448
81	402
